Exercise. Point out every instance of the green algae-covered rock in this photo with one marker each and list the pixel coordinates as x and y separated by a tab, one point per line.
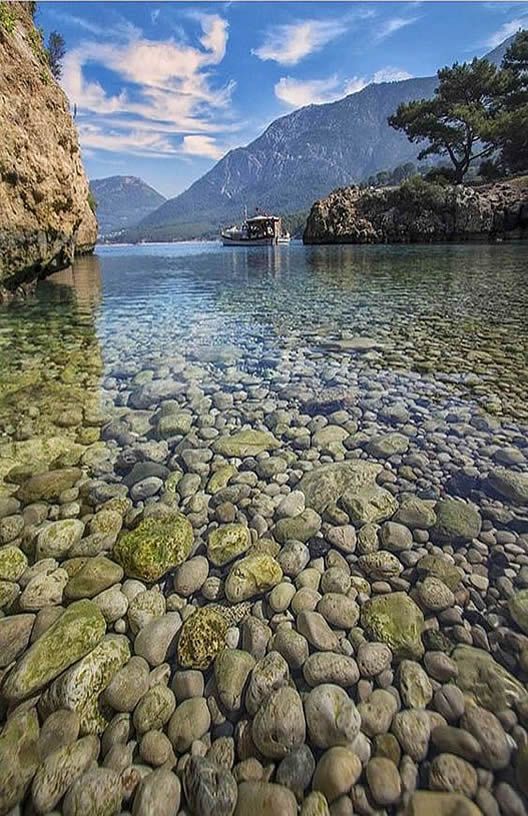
154	547
246	443
56	539
439	803
370	504
456	521
252	576
18	757
227	542
13	563
387	445
436	566
220	478
48	486
298	528
518	606
95	575
78	689
397	621
510	485
78	630
484	681
202	637
326	484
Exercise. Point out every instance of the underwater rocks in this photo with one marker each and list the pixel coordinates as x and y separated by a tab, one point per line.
154	547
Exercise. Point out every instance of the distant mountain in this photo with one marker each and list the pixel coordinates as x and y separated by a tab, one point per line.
123	201
299	158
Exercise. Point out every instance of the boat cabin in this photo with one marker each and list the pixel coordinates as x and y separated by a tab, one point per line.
264	226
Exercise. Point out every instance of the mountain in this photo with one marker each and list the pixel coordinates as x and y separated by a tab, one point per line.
300	157
123	201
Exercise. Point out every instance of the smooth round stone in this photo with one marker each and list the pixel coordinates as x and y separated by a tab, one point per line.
291	505
231	669
190	576
315	804
15	632
296	770
317	632
331	716
210	789
305	599
440	667
58	730
270	673
279	725
112	603
143	607
265	799
337	771
450	740
453	774
59	770
395	537
95	575
383	781
434	595
377	712
159	792
292	646
44	590
98	790
156	641
335	580
373	658
412	729
155	748
190	721
449	702
128	686
187	684
293	558
281	596
415	686
154	709
494	744
328	667
343	538
338	610
56	539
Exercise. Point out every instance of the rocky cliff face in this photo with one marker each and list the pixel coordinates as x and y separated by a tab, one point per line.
44	211
418	211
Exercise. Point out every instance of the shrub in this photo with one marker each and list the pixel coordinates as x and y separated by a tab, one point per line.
7	18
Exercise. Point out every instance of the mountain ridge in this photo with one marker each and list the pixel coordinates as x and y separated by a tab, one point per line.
123	201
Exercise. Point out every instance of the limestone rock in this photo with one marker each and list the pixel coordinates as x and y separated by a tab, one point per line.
252	576
396	621
485	681
154	547
18	757
245	443
227	542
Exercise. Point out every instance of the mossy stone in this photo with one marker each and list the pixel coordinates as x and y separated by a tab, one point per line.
252	576
518	606
78	630
95	575
298	528
13	563
154	547
48	486
19	757
456	521
202	637
436	566
246	443
227	542
484	681
396	621
220	478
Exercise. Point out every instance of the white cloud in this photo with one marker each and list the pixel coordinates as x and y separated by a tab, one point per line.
288	44
506	30
300	92
201	146
167	90
392	25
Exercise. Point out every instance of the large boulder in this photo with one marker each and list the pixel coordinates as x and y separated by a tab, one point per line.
154	547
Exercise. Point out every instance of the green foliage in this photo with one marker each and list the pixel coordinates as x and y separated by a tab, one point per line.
7	18
458	122
92	203
36	41
388	178
55	53
512	108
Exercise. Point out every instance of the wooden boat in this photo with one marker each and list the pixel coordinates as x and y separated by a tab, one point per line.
260	230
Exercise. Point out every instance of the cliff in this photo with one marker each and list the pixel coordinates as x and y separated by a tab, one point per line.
418	211
44	211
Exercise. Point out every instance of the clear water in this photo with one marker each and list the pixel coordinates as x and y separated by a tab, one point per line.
448	327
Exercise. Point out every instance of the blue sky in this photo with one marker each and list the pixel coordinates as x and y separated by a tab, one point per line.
164	89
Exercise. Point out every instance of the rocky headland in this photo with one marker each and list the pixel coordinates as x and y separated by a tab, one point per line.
420	212
45	216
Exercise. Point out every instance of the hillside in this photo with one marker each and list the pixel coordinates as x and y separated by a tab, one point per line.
123	201
44	211
299	158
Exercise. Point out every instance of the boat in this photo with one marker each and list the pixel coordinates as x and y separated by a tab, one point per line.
259	230
285	238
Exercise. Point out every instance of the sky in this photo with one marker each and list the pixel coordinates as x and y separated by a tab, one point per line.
164	89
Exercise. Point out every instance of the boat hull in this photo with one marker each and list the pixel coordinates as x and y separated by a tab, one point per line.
268	241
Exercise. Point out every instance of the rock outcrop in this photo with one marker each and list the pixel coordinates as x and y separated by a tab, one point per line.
419	211
44	206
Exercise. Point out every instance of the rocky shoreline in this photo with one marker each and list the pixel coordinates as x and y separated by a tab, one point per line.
233	603
420	212
45	217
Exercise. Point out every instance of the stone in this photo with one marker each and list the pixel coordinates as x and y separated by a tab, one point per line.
78	689
232	668
297	528
396	621
383	781
154	710
245	443
78	630
292	646
296	770
412	729
315	804
190	721
449	740
95	575
58	730
154	547
226	543
191	576
415	513
377	712
415	687
453	774
159	792
518	606
265	799
331	716
209	789
373	658
434	594
128	685
387	445
484	681
326	484
44	590
293	557
112	603
145	606
338	610
13	563
279	725
15	631
187	684
436	566
18	757
270	673
369	505
97	791
485	727
380	566
456	521
328	667
441	804
316	631
57	538
202	636
510	485
156	641
59	770
251	576
281	596
49	485
337	771
291	505
155	749
343	537
220	479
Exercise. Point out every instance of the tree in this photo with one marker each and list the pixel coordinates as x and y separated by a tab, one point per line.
458	121
512	123
56	50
